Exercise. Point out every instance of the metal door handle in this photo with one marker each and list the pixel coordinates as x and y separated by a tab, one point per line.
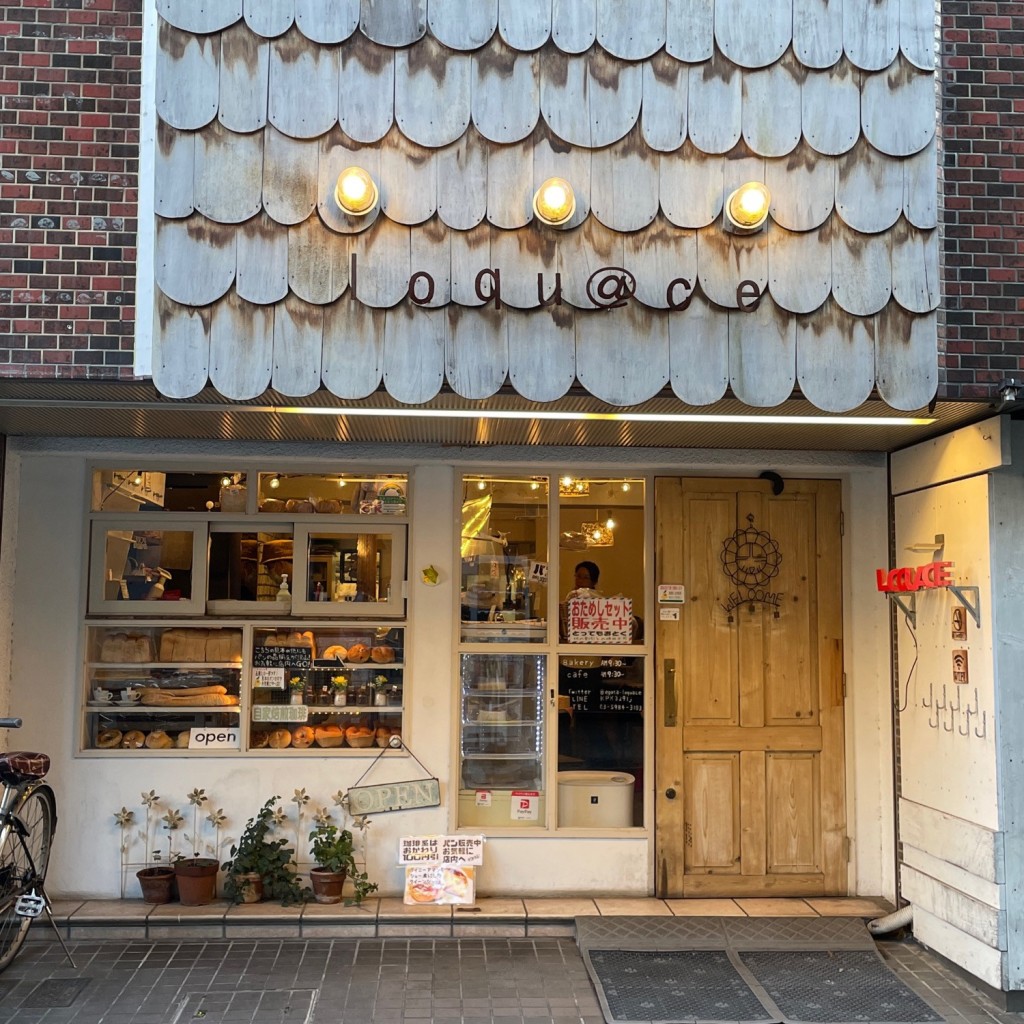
671	712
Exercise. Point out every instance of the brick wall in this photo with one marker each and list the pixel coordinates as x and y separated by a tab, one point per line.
983	166
69	110
69	105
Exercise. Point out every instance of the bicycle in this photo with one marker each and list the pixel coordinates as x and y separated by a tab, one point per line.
28	820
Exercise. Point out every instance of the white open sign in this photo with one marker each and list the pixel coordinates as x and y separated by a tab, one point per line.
214	738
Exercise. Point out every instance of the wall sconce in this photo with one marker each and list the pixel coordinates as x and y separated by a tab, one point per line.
356	192
746	209
554	202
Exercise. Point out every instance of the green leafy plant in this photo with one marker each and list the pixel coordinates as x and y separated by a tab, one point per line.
332	849
271	859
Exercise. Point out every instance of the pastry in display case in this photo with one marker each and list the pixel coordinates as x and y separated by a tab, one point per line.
162	688
502	739
327	687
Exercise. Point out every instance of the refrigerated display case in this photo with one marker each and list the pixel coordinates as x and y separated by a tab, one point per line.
502	739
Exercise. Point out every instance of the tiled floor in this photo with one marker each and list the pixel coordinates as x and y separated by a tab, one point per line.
503	961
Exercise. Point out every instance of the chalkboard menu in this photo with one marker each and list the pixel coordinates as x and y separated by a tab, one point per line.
608	684
282	657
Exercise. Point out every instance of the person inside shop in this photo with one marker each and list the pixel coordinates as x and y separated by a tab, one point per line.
585	579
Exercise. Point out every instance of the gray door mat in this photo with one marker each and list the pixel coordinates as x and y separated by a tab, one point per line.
832	987
722	933
693	970
691	986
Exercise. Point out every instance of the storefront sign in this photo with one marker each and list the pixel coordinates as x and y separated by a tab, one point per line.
280	713
751	559
906	580
441	850
602	684
599	620
268	678
439	884
207	738
394	796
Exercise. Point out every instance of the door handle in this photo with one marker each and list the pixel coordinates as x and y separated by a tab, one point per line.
670	702
670	793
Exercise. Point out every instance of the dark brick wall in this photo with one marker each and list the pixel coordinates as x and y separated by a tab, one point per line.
69	132
983	168
69	106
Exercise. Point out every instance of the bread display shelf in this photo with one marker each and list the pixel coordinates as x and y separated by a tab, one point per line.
150	710
507	724
501	757
289	712
136	666
499	695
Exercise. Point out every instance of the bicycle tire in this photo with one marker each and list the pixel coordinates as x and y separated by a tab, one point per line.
37	810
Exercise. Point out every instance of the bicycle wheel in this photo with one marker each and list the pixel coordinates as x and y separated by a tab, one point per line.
23	863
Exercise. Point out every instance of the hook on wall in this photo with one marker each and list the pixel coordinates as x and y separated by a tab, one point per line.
931	697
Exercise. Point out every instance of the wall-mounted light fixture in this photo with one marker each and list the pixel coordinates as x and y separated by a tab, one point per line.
356	192
554	202
746	209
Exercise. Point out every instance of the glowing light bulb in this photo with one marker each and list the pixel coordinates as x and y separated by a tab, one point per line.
275	482
355	191
554	202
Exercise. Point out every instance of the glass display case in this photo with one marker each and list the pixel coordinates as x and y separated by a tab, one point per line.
326	687
161	688
502	739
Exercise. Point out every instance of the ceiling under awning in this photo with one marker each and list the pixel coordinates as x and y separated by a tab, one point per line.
137	410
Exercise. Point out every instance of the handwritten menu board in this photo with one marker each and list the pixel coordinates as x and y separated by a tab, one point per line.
282	657
607	684
599	620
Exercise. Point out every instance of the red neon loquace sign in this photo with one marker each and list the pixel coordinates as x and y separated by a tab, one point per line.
907	579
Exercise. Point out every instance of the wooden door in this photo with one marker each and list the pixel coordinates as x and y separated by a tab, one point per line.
749	742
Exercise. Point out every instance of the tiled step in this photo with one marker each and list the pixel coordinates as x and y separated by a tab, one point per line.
491	917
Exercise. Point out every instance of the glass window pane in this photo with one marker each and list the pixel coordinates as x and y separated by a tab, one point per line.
502	746
248	565
334	493
343	567
600	741
601	553
504	555
147	565
135	490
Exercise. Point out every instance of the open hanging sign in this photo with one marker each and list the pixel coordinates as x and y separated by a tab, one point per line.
393	796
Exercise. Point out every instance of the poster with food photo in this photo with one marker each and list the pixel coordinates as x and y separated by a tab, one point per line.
438	884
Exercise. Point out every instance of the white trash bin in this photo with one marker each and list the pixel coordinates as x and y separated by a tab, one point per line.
595	799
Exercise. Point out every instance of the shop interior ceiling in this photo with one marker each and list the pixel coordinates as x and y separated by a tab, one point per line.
135	410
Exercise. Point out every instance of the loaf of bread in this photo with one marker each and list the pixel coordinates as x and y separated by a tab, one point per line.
358	653
303	736
159	740
280	738
224	645
298	505
271	505
133	648
382	654
329	506
183	644
329	735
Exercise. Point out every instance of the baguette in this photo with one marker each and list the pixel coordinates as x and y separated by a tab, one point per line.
188	691
161	699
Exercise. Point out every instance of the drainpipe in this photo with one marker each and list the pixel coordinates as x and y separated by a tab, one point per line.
891	922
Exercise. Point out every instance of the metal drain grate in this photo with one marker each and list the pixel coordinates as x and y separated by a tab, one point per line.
268	1006
53	993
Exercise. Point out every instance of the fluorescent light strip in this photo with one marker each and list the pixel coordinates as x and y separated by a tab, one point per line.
615	417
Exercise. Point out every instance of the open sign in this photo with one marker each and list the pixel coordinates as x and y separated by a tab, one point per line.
214	738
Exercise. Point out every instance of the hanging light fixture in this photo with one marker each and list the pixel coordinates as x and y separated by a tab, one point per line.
599	535
573	487
275	482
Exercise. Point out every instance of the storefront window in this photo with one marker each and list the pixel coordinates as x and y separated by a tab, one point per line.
504	556
333	493
601	687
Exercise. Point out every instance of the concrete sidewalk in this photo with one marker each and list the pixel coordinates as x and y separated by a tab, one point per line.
526	978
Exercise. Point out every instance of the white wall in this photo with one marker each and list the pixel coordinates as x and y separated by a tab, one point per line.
950	821
48	506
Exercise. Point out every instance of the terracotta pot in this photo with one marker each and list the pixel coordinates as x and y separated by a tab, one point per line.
250	887
197	881
327	885
156	884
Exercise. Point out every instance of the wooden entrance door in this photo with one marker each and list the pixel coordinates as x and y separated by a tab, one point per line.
749	741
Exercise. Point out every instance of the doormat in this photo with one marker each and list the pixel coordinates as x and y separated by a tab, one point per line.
638	986
790	970
53	993
825	987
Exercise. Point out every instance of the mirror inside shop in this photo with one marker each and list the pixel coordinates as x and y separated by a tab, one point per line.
512	585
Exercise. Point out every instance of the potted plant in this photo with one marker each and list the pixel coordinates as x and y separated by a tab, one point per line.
295	689
260	866
380	684
339	687
332	851
196	875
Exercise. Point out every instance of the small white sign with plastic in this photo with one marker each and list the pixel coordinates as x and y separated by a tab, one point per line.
213	738
671	593
268	678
